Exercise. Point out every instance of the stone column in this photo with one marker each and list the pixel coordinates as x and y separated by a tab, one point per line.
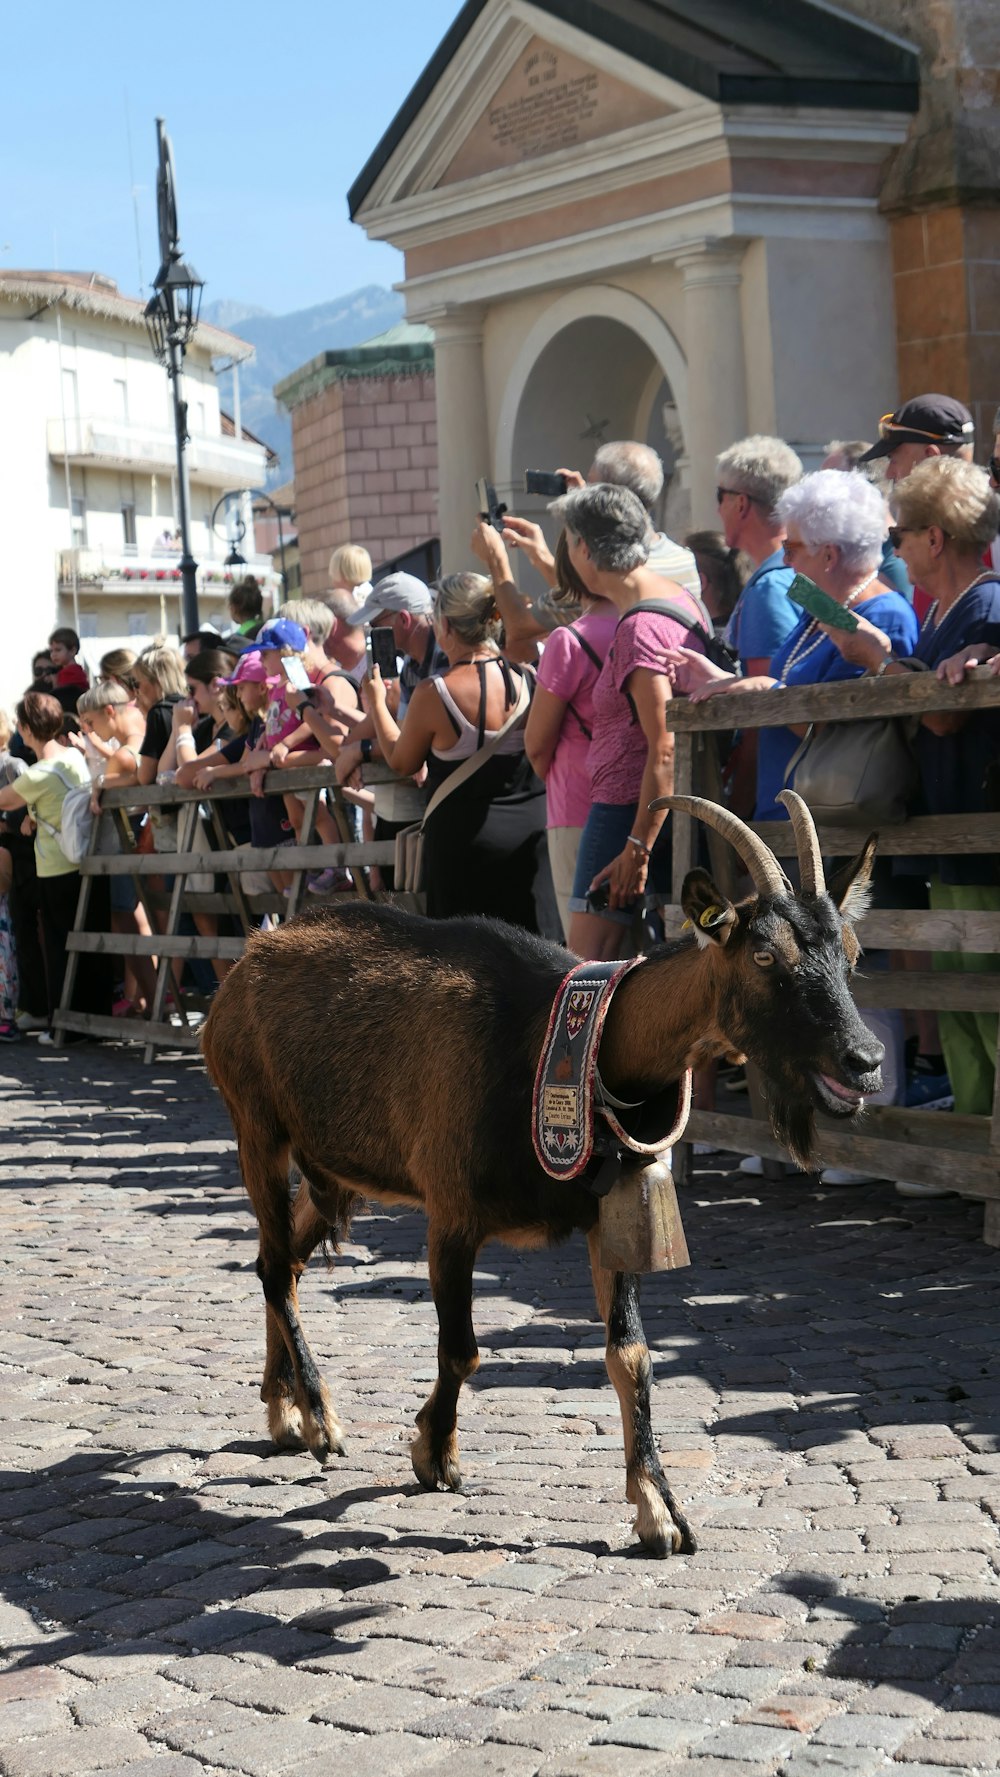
717	392
462	427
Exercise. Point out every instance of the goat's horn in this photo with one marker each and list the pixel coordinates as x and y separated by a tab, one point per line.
768	876
806	842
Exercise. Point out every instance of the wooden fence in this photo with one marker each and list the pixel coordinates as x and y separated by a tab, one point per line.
936	1147
180	898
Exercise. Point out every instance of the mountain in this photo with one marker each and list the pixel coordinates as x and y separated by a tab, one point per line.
284	342
230	314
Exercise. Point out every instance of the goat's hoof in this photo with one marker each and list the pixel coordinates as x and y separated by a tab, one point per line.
435	1469
285	1425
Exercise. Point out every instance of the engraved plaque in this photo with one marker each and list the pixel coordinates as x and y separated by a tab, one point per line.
549	101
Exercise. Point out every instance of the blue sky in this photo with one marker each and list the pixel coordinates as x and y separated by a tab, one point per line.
272	112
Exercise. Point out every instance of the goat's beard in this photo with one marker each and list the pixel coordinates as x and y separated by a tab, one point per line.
793	1123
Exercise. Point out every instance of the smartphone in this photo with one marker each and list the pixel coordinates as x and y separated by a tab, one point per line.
295	672
490	508
806	593
383	650
598	899
539	481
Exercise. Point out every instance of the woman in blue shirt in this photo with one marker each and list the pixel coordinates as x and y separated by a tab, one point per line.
947	516
835	526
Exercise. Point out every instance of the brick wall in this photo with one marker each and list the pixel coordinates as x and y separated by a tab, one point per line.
946	267
365	453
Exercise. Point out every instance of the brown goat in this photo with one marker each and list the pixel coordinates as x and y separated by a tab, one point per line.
454	1013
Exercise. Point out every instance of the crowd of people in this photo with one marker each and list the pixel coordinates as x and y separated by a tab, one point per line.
528	731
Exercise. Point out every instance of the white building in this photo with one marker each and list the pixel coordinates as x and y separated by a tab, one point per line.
88	477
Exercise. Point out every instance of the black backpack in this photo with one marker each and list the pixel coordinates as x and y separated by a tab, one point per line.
717	651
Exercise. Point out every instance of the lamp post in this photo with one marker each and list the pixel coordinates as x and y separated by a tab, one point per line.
235	537
171	318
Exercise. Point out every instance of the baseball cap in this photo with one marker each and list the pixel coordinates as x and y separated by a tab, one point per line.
250	669
281	633
925	419
397	592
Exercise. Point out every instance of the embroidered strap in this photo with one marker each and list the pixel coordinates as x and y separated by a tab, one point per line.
569	1091
562	1110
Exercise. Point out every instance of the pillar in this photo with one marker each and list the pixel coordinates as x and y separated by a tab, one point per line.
462	428
717	392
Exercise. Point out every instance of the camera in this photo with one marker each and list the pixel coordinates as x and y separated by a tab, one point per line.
383	650
490	508
539	481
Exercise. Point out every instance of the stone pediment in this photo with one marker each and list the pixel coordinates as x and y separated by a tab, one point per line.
549	101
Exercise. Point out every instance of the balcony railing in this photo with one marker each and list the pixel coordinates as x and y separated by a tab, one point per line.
119	444
151	573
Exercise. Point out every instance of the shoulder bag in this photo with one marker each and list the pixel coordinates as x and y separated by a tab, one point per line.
856	774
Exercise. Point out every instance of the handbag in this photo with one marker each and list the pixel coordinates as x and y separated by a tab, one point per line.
408	870
855	774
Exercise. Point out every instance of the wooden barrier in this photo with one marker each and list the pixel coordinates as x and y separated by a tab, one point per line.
930	1147
182	865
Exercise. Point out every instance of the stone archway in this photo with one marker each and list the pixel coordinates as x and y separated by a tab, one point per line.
598	364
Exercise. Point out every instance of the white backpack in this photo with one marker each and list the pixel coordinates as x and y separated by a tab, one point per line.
76	820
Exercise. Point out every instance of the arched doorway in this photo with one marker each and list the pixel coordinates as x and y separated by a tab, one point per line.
600	364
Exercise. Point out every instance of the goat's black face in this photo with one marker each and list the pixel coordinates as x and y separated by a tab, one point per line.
784	997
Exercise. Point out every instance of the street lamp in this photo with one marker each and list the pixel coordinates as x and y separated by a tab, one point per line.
236	535
171	318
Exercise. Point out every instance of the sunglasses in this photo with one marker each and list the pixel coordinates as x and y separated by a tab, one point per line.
898	531
887	427
994	466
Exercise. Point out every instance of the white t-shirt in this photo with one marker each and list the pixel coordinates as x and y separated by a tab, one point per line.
675	563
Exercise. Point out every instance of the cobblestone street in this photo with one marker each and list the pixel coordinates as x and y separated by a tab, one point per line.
177	1600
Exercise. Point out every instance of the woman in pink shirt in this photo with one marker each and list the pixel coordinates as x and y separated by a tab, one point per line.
561	720
624	843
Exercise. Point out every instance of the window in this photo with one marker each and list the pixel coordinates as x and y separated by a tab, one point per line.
119	403
138	623
88	625
78	522
128	523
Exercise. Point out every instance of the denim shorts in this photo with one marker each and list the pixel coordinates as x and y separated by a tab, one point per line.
608	826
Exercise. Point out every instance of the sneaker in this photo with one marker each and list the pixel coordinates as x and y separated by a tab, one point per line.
911	1187
332	881
9	1033
929	1092
843	1175
752	1166
27	1021
46	1037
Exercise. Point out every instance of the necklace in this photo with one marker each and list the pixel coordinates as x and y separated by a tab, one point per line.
930	621
804	646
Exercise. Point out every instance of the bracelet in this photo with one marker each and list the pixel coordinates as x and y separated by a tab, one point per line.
638	843
879	670
367	748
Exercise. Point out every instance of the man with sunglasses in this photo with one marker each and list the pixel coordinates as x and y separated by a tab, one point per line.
926	426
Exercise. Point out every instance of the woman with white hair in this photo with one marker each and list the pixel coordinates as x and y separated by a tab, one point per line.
947	516
835	525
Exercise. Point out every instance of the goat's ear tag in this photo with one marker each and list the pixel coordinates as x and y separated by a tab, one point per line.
688	926
710	917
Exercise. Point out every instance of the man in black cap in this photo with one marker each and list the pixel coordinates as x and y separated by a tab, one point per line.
926	426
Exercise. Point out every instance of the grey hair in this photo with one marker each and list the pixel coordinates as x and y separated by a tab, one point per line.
761	468
836	507
311	615
106	693
611	521
628	464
